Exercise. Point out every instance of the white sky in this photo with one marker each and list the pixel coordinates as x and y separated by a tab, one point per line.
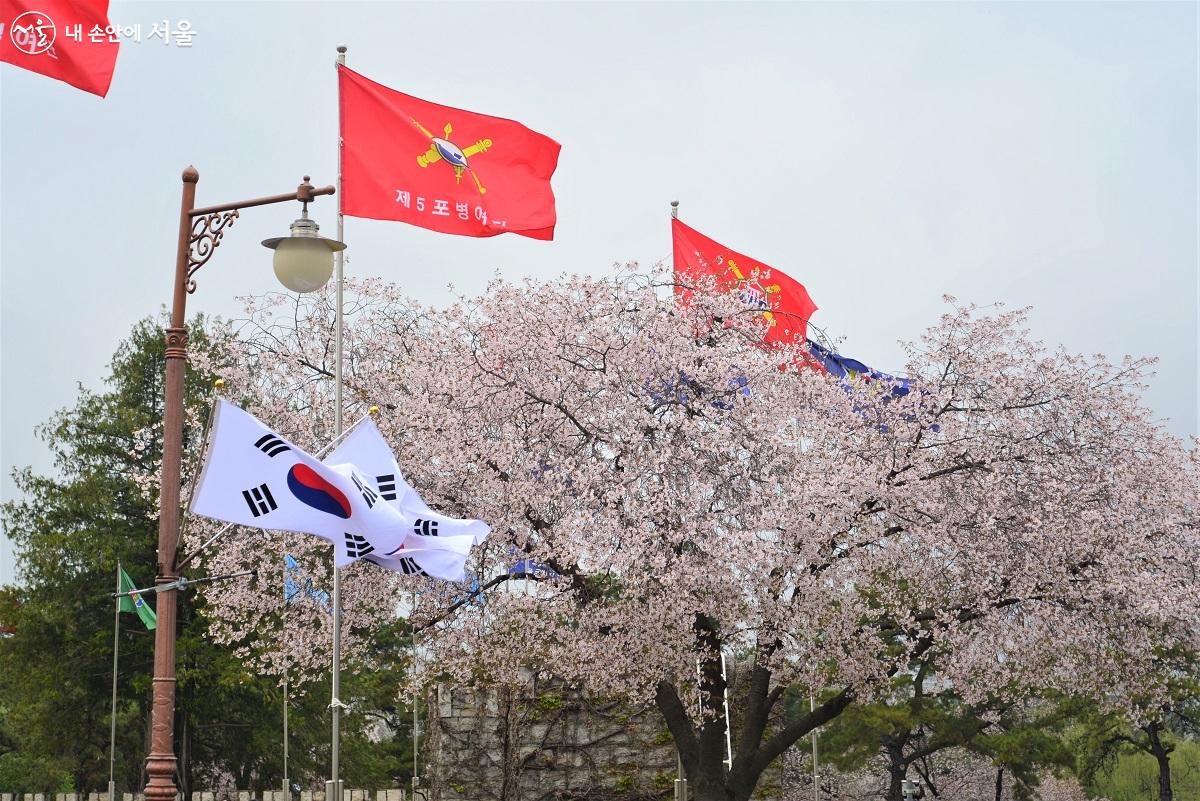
882	154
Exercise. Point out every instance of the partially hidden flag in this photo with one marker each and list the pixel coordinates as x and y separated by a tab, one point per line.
254	477
295	586
530	567
785	304
54	38
847	369
441	168
686	389
135	602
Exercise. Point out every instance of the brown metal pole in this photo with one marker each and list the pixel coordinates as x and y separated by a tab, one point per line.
160	764
304	193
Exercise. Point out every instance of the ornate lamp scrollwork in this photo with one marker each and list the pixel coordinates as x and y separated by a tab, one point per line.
207	232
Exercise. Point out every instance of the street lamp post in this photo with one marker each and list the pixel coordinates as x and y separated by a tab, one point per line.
299	268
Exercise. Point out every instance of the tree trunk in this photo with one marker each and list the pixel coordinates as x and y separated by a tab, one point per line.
999	782
1162	755
897	769
183	767
707	782
895	791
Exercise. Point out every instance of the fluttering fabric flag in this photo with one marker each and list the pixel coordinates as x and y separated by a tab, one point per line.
848	369
62	39
441	168
530	567
252	476
785	304
135	602
685	389
435	537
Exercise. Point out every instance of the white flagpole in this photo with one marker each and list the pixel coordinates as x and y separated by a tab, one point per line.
416	733
333	790
728	740
681	792
287	790
112	737
812	707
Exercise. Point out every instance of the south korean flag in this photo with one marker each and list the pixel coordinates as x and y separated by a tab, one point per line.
254	477
434	543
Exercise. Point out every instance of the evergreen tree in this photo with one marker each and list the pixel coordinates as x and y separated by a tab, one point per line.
70	530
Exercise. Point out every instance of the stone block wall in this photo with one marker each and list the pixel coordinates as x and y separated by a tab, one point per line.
240	795
545	742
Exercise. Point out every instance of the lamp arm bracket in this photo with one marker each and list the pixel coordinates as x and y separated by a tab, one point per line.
207	232
209	223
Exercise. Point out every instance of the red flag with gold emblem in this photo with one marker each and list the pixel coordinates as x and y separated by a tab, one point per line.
62	39
442	168
786	306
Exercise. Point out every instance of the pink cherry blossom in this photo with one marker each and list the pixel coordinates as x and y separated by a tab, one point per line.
1019	510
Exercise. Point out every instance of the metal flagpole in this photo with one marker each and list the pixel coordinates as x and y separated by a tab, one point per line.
812	707
112	738
681	792
333	788
416	732
416	779
728	739
287	790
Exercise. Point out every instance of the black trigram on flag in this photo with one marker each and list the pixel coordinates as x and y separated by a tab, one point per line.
387	486
356	546
259	500
409	568
405	565
425	527
368	494
271	445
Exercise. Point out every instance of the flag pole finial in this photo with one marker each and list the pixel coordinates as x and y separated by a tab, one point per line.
219	384
374	410
341	48
674	209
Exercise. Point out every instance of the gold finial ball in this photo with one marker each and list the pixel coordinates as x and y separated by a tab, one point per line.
219	383
374	410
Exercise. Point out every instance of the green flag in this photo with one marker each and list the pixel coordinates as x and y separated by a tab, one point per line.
135	603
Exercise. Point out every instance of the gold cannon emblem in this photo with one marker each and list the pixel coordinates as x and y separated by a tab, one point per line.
442	149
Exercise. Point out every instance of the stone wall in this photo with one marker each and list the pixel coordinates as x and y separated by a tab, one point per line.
241	795
545	742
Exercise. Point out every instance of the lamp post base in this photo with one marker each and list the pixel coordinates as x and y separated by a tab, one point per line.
161	784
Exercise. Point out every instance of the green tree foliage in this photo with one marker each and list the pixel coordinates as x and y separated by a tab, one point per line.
1133	774
1113	746
56	669
922	717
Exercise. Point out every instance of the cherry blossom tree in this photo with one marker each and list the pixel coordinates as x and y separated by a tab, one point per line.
691	493
962	776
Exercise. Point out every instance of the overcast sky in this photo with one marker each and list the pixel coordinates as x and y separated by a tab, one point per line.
882	154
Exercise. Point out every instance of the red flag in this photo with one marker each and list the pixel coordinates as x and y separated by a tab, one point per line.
442	168
785	302
54	38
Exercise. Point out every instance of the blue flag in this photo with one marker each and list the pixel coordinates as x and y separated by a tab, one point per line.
292	589
687	388
846	369
532	568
